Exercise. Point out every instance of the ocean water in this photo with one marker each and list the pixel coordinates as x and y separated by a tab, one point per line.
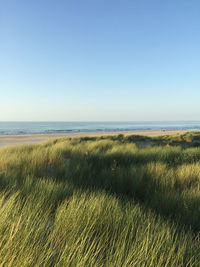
27	128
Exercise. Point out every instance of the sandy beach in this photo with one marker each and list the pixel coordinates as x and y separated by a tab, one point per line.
39	138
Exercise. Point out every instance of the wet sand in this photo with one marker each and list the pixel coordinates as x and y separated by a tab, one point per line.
39	138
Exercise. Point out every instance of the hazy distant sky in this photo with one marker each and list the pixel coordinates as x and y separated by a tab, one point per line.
99	60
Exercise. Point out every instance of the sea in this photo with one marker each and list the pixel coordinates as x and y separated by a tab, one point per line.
29	128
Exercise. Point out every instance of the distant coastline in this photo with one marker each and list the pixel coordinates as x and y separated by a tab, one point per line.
31	128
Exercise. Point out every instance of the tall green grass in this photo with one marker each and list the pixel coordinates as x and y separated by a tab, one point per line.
101	202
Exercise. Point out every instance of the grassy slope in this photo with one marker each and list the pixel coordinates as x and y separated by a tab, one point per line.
101	202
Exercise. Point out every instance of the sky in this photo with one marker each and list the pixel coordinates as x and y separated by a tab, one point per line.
99	60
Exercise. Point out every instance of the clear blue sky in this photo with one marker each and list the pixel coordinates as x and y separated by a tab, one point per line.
84	60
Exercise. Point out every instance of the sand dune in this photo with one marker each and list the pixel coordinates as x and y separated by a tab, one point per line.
38	138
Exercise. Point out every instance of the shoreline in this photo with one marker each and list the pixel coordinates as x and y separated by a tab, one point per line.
12	140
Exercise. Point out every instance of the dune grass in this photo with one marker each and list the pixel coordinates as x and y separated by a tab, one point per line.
106	201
